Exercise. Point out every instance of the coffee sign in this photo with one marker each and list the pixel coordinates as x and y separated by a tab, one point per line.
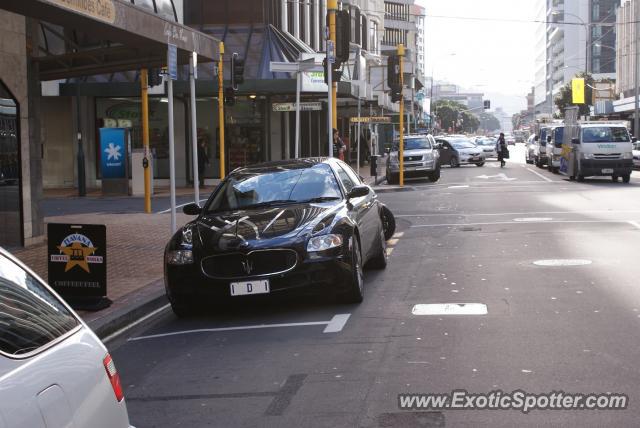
104	10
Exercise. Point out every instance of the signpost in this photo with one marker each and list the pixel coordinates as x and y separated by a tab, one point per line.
77	264
172	67
310	106
114	160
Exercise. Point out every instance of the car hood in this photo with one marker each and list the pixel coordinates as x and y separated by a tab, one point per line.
416	152
243	229
470	150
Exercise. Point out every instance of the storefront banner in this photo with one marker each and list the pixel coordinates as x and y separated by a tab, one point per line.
307	106
113	152
313	81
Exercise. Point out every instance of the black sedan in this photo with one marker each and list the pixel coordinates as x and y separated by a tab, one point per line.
276	227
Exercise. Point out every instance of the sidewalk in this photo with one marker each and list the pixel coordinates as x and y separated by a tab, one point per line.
365	172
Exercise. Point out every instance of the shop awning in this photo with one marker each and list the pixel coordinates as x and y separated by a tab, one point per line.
107	36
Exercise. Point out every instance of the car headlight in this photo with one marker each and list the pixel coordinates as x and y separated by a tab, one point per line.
627	155
187	238
179	257
588	156
428	156
324	242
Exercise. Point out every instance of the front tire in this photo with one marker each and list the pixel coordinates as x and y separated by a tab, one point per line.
626	178
379	261
480	164
580	178
435	175
182	307
453	163
388	222
355	288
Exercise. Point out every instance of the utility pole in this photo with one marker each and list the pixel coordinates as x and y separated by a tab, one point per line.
221	106
332	7
636	118
193	70
401	148
144	85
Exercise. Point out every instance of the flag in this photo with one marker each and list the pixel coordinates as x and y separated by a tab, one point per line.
577	91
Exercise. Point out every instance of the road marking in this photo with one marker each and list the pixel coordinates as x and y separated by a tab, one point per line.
502	176
337	323
562	262
540	175
515	222
635	224
522	213
462	186
178	206
334	325
533	219
135	323
450	309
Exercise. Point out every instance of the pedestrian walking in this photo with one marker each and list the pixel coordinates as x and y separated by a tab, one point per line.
502	150
203	160
338	145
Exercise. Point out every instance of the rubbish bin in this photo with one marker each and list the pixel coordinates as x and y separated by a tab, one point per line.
374	165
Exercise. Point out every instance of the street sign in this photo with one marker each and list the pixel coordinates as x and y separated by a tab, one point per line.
309	106
331	52
77	263
172	61
371	119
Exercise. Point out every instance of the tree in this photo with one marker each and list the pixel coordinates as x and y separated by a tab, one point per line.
470	123
566	96
455	116
489	122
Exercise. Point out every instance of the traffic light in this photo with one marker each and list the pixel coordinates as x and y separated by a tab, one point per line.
229	96
335	77
487	104
237	71
396	93
343	35
393	70
154	77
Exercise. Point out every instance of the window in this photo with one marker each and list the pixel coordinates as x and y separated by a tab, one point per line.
605	134
346	180
351	173
30	316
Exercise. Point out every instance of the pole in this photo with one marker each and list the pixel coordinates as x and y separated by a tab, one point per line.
329	96
332	7
172	160
144	84
194	130
359	133
401	150
636	116
82	185
221	107
297	148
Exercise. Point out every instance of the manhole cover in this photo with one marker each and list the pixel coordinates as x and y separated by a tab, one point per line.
450	309
562	262
533	219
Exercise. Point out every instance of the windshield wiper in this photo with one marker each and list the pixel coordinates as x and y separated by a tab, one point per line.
268	203
320	199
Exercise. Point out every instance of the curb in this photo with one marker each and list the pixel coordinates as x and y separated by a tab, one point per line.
127	309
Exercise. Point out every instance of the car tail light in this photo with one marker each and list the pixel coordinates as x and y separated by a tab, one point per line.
114	377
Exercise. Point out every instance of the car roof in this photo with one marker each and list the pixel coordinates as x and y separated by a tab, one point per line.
280	165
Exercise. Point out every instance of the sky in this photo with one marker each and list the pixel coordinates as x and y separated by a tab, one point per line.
486	53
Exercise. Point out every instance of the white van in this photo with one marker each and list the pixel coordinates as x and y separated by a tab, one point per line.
597	149
554	148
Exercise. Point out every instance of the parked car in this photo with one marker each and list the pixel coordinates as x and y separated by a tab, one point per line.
456	151
636	154
488	146
277	227
530	149
510	139
420	159
54	371
540	147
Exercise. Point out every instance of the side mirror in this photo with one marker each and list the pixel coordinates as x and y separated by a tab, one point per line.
192	209
549	139
536	138
575	141
358	191
634	140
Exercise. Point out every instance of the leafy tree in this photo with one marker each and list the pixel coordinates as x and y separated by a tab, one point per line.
470	122
454	115
488	121
565	99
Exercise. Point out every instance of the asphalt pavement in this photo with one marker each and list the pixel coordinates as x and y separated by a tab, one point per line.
552	262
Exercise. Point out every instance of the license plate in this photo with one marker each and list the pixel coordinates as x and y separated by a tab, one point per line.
249	287
607	171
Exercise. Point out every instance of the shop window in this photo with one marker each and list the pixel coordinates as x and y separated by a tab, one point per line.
10	175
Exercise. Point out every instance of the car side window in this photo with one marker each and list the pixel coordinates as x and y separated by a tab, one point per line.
30	316
351	173
344	178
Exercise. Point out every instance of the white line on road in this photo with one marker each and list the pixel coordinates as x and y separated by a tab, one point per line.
334	325
135	323
463	186
540	175
522	213
516	222
177	206
635	224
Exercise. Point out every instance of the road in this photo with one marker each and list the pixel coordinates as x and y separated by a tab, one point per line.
477	236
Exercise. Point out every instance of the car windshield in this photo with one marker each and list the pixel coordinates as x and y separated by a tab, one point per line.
420	143
605	134
254	188
462	144
486	142
557	135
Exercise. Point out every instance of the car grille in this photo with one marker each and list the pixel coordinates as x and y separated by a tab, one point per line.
413	158
254	263
488	150
607	156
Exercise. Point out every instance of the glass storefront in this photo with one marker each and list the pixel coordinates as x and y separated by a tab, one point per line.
10	211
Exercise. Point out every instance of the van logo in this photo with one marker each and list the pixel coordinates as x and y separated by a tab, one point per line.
606	146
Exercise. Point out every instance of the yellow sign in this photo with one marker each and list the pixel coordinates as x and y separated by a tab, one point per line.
577	91
104	10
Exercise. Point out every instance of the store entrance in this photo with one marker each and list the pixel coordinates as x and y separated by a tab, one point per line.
10	210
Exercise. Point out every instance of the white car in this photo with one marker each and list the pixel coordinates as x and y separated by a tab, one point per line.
488	146
636	155
54	371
